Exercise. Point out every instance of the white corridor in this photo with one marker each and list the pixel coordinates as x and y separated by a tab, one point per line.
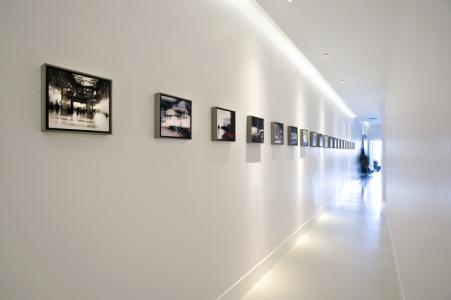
347	255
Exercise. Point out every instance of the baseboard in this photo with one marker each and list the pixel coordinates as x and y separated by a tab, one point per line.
240	288
402	295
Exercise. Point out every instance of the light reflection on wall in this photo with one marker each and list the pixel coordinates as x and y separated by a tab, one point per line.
253	86
261	20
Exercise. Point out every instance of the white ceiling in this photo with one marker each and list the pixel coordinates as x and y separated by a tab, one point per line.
356	34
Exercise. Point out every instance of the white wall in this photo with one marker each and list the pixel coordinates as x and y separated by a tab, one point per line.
417	148
128	216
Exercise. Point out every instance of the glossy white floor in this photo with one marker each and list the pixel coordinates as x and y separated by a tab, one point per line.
347	255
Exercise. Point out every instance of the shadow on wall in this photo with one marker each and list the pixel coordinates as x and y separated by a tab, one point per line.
253	153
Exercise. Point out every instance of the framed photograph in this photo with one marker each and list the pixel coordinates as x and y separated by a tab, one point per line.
255	130
277	133
304	137
173	117
326	141
293	138
76	101
223	126
313	139
331	142
336	143
320	142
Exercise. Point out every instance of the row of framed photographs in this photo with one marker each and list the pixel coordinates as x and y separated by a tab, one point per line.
76	101
302	137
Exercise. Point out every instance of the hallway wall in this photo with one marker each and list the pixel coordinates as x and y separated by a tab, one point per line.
417	148
129	216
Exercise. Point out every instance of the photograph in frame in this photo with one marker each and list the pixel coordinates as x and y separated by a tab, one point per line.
76	101
255	130
223	126
173	117
277	133
293	136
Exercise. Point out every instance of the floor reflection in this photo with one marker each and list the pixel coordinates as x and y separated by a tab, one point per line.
346	255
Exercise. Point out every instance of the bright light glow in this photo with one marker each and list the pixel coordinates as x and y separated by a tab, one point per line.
255	14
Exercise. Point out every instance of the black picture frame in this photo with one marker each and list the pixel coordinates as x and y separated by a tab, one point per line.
63	89
217	126
255	130
292	136
181	109
277	133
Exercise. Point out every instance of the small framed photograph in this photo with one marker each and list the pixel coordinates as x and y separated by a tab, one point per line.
277	133
313	139
326	141
304	137
337	146
320	142
293	138
255	130
223	127
331	142
173	117
76	101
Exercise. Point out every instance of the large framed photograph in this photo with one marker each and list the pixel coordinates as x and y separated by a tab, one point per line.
76	101
304	137
277	137
173	117
223	126
313	139
293	138
255	130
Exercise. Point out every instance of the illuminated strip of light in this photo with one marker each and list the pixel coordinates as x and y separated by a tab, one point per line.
255	13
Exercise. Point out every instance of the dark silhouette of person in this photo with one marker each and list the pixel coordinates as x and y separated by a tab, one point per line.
364	170
364	163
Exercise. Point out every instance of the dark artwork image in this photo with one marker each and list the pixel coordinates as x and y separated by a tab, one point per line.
223	124
305	137
76	101
255	130
313	139
173	117
292	136
277	133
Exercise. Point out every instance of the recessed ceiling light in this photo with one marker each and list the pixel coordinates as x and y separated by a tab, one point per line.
326	54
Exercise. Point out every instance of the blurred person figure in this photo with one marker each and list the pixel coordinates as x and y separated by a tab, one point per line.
364	169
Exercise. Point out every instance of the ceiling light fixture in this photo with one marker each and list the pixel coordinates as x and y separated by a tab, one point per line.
261	20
